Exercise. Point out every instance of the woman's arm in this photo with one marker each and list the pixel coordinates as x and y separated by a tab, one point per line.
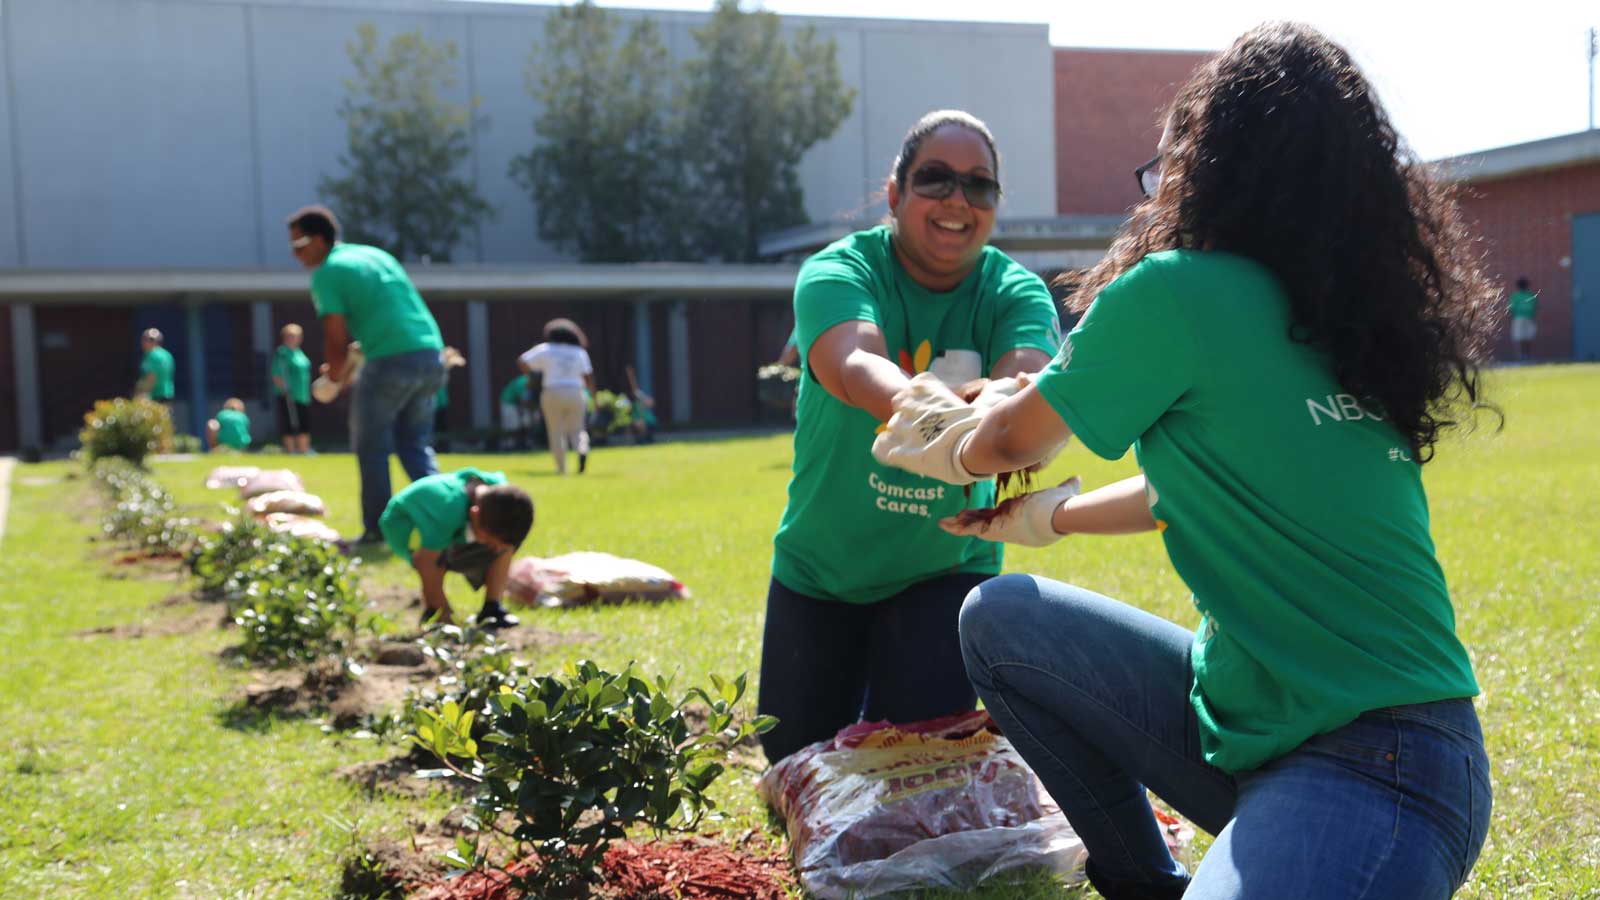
851	362
1118	508
1014	434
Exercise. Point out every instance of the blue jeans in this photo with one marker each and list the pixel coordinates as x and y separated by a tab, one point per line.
826	664
391	411
1094	694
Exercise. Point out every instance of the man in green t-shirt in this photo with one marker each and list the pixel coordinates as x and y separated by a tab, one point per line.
363	295
230	428
155	369
1523	305
291	384
469	522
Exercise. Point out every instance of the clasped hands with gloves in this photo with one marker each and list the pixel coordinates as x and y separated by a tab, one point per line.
926	434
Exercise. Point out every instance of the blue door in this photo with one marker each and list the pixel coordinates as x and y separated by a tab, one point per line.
1586	287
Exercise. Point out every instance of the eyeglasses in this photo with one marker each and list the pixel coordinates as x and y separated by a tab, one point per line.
1149	176
301	241
939	182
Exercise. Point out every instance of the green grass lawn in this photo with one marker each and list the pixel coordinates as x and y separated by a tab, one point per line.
122	776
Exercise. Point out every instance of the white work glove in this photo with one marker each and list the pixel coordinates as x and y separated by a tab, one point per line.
929	427
995	390
1024	520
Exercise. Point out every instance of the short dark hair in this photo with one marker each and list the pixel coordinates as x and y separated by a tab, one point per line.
505	510
1522	283
932	122
315	221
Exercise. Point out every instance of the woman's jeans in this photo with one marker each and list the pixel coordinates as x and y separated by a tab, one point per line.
391	411
1095	695
826	664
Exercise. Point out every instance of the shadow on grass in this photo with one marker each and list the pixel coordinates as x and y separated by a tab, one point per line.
248	718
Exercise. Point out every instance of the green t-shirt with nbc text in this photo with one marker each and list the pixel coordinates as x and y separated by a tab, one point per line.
382	309
1295	515
294	367
158	362
434	508
1523	304
856	531
233	429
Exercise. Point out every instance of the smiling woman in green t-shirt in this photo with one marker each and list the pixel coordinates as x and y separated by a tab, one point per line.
1280	333
861	609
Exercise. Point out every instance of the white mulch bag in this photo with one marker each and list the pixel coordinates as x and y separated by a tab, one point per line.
299	503
268	481
579	579
946	803
230	476
301	527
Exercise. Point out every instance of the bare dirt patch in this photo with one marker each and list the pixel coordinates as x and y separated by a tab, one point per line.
200	619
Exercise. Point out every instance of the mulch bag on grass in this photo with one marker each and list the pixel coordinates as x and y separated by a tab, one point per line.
946	803
299	503
301	527
579	579
270	480
230	476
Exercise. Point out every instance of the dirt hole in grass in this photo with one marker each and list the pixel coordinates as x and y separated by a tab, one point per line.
193	622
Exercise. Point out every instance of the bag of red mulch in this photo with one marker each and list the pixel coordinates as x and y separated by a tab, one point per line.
268	481
230	476
579	579
946	803
301	527
299	503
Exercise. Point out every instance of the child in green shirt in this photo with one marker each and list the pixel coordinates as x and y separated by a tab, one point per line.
469	522
231	427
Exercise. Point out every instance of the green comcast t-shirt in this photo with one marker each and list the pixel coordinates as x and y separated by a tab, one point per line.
854	530
233	429
513	392
158	362
381	307
1296	516
1524	304
294	367
435	508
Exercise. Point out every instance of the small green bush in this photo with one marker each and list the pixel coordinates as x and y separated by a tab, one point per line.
216	555
130	429
577	757
298	601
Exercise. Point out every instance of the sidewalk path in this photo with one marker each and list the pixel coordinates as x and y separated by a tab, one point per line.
7	463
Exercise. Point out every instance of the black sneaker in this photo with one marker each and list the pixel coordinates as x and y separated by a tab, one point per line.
494	616
430	617
370	537
583	462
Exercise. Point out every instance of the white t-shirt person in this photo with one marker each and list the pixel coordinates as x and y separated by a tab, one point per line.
562	365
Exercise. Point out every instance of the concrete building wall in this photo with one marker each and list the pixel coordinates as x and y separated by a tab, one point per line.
196	125
1108	106
1526	224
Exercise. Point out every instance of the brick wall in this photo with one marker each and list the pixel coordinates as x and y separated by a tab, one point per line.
1108	120
1525	222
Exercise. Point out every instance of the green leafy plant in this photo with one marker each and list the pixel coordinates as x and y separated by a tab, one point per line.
130	429
298	601
577	757
215	556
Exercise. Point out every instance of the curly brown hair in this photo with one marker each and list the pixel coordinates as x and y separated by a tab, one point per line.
1278	150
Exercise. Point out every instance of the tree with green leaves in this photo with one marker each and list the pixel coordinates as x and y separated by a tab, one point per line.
605	176
402	189
753	106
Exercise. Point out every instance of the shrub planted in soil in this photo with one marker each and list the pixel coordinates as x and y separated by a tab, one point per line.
216	555
299	601
130	429
575	758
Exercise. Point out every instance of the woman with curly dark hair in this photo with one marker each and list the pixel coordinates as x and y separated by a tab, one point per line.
1281	333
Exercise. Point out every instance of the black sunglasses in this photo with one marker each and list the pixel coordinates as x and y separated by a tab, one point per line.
939	182
1149	176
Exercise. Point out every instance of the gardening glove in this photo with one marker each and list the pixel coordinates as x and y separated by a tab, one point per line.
927	431
995	390
1024	520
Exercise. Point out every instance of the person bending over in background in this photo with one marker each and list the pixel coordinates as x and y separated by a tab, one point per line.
231	427
469	522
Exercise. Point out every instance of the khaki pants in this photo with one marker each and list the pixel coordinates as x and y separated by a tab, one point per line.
564	422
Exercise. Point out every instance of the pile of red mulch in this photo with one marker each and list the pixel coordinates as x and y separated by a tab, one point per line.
692	869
